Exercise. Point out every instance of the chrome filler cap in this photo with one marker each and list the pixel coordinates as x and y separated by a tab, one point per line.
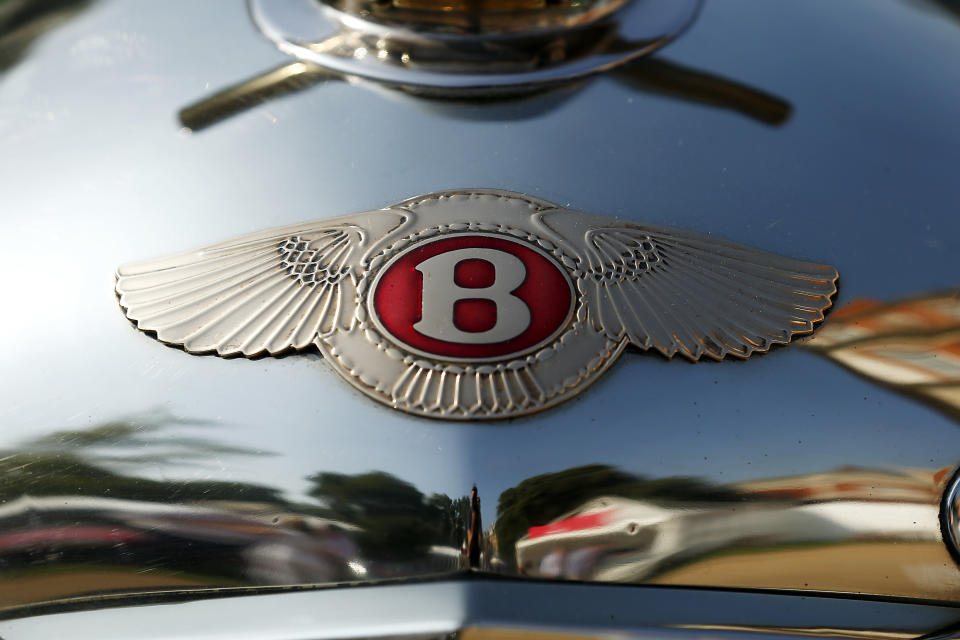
451	46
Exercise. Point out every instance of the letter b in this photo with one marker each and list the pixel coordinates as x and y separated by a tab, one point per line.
440	294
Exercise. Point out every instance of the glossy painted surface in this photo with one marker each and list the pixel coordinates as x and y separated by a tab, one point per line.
127	466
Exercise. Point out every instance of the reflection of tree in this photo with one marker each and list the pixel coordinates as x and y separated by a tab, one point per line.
145	438
77	502
543	498
397	519
60	474
107	461
85	462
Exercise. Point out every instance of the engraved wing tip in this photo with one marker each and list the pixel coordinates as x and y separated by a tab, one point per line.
263	293
685	293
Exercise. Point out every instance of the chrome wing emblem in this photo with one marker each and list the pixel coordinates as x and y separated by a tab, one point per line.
475	304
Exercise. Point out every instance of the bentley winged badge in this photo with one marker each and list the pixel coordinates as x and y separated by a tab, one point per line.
475	304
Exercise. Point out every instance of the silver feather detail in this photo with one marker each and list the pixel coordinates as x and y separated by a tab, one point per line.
262	293
481	393
683	292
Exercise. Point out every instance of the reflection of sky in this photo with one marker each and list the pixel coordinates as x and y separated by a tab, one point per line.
94	173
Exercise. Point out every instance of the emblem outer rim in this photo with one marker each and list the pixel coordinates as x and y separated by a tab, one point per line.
575	300
606	360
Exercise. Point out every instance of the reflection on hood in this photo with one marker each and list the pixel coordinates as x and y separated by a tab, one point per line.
911	346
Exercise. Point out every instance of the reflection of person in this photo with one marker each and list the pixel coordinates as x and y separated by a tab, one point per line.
579	563
474	533
303	552
551	565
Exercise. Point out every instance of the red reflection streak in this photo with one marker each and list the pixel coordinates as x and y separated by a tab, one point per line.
568	525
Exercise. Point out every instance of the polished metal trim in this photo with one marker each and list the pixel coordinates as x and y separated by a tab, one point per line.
482	608
950	517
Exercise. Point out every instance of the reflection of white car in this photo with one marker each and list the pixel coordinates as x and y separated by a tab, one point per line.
617	539
576	544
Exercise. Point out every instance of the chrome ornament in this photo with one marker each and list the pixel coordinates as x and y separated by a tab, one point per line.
950	517
475	304
447	48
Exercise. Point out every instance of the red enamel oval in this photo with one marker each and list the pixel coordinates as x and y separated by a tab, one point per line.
472	297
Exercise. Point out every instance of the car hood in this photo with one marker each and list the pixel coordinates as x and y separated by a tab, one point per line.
820	466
